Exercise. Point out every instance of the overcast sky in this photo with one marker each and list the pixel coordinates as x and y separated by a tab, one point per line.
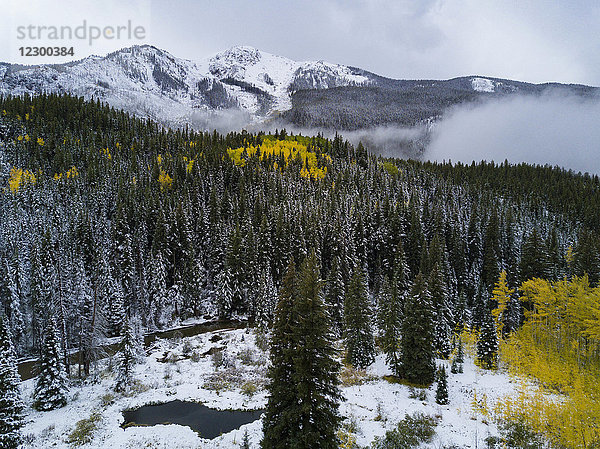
529	40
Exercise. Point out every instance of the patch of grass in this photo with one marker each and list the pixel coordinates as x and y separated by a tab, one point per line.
136	388
350	376
398	380
83	433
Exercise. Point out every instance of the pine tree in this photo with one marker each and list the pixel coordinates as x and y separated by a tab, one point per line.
51	387
358	334
126	358
245	443
487	344
224	294
302	411
278	423
335	294
441	392
417	350
454	366
11	404
460	352
390	322
266	300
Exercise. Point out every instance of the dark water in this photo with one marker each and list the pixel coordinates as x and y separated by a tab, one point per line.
28	369
209	423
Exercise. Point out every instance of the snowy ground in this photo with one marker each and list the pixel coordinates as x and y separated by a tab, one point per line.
181	370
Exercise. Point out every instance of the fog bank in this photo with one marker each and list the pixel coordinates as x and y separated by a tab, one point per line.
552	129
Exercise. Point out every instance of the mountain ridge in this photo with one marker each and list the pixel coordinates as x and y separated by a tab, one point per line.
151	82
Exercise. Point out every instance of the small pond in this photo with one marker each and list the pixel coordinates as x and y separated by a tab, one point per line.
208	422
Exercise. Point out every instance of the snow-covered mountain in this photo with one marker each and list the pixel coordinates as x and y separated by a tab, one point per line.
253	84
151	82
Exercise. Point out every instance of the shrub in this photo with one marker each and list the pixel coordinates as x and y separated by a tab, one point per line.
84	430
350	376
417	393
187	347
247	356
195	356
262	340
515	435
249	388
221	359
409	433
107	399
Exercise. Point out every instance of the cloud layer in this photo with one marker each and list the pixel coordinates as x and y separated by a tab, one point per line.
551	129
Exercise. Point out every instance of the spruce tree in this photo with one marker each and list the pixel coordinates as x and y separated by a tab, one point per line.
439	298
279	424
51	387
315	368
460	352
454	366
265	300
358	334
390	321
126	358
11	404
335	294
417	349
487	344
224	294
534	258
302	411
245	443
441	392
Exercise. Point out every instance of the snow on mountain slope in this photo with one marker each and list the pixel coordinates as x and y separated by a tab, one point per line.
482	85
152	83
278	76
141	79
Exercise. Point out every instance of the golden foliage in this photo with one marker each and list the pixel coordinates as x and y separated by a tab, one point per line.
285	151
501	294
189	164
559	348
69	174
18	178
106	152
166	182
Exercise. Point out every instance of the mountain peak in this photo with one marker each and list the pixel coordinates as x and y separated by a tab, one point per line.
241	54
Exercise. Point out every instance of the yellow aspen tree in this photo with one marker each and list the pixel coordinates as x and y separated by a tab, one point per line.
501	294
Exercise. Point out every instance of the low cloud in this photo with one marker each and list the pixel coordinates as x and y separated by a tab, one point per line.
223	120
550	129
